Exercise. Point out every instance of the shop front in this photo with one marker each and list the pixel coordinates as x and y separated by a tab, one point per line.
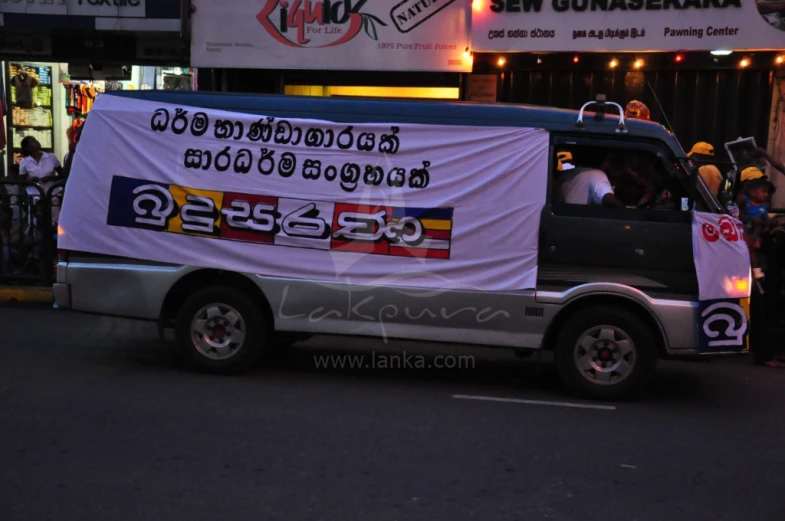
58	57
50	101
708	70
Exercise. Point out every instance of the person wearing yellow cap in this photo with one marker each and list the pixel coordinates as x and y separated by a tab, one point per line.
579	185
703	152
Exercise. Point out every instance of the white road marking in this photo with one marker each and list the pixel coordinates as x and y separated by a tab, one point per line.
535	402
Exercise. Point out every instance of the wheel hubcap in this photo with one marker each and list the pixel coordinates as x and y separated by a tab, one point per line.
218	331
605	355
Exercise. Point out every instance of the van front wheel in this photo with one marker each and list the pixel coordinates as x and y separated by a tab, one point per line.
220	330
605	352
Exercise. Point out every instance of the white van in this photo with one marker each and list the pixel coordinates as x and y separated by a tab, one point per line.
236	219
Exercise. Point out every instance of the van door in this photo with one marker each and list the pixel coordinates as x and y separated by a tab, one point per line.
647	247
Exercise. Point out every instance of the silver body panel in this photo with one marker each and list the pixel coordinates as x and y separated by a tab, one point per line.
517	319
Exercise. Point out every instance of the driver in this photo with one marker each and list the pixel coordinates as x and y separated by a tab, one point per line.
630	187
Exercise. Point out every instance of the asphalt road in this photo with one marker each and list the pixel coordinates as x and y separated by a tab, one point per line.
99	422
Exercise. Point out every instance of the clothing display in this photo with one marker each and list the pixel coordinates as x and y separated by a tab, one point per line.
23	83
79	98
30	107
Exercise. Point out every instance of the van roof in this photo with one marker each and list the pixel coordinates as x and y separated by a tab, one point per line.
363	110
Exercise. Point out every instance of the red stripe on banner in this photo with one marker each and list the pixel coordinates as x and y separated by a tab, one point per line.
423	253
438	234
244	234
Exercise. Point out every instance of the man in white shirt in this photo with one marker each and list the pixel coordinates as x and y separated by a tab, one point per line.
579	185
37	165
40	166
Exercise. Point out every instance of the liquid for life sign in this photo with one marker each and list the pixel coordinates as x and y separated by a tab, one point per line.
412	35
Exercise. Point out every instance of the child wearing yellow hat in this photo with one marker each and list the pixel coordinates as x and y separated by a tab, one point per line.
756	189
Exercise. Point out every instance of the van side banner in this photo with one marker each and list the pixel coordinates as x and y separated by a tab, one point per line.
438	206
627	25
398	35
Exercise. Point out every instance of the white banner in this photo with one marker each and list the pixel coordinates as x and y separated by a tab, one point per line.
722	259
447	206
114	8
722	263
627	25
409	35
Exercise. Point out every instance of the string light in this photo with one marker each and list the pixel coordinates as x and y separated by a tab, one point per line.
779	60
744	62
614	63
501	61
575	59
638	63
678	58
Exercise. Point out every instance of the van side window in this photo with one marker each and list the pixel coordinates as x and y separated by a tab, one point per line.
638	177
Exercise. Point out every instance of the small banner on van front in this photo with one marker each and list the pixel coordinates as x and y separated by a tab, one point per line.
439	206
722	264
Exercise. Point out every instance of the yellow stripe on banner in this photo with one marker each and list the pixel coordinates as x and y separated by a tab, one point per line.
436	224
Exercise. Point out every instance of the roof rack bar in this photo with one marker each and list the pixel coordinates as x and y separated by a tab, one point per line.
600	102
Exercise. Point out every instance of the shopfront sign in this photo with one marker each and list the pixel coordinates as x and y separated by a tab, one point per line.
113	8
411	35
627	25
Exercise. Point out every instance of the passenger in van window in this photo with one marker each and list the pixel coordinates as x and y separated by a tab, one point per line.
629	185
703	154
581	185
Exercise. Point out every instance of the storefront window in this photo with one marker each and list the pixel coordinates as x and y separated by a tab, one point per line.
50	101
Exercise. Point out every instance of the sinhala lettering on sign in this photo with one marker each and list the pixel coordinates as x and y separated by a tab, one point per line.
626	25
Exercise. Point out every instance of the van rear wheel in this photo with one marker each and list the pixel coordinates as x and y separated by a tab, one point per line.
220	330
605	352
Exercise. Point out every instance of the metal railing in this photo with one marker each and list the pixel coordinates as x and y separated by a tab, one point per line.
28	231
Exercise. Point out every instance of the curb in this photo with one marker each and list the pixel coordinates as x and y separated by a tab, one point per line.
26	294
